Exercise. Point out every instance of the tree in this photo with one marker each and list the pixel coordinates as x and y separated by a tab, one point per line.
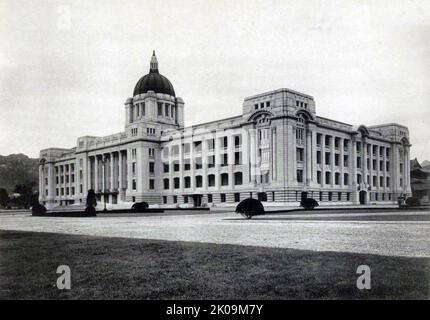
4	197
91	203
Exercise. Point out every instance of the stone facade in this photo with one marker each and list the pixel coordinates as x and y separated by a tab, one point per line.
277	150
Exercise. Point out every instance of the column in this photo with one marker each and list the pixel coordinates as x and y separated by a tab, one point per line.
308	157
230	159
217	162
323	160
96	174
204	164
112	162
364	152
332	155
314	157
120	173
341	155
253	155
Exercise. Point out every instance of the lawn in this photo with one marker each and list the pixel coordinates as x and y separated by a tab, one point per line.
119	268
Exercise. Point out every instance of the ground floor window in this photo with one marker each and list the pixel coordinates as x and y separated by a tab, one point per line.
339	196
330	196
164	199
210	198
222	197
185	199
237	197
133	199
175	199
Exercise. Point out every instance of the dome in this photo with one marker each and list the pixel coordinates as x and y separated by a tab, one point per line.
154	81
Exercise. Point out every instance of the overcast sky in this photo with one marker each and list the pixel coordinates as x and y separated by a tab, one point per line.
67	67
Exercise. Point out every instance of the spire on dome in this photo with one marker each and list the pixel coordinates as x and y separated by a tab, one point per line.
153	64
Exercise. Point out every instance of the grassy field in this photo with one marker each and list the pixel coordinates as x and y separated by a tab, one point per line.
118	268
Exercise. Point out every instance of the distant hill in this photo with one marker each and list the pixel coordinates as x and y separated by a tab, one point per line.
425	164
18	169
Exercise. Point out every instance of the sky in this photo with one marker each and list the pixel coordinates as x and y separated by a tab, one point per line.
67	67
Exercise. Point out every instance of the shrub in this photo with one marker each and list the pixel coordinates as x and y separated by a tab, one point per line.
309	203
140	206
250	207
412	202
38	210
90	211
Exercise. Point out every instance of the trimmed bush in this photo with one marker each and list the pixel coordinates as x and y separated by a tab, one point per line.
412	202
38	210
309	203
250	207
140	206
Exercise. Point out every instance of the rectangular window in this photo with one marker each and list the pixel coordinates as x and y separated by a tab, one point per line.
222	197
165	167
300	176
175	199
237	197
166	110
336	159
319	177
211	144
224	160
238	158
327	158
160	109
211	161
209	198
318	157
300	154
176	166
198	162
151	167
151	184
164	199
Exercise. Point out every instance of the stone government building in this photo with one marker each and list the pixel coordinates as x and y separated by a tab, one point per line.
277	150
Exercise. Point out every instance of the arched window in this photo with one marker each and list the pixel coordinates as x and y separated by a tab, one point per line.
238	178
224	179
166	183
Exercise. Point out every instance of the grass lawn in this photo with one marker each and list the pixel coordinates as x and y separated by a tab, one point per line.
118	268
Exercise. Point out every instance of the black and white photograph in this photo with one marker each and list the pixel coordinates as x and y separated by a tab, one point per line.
243	151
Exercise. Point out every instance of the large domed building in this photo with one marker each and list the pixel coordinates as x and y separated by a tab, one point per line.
276	150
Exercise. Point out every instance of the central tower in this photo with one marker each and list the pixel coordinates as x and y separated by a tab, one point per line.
154	103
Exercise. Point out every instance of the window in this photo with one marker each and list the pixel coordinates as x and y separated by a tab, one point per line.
133	184
337	178
327	141
166	183
319	177
238	158
211	180
224	179
348	196
339	196
300	154
211	144
222	196
336	159
198	161
187	182
330	196
237	141
210	198
165	167
300	176
198	146
345	145
151	152
166	110
358	162
160	109
164	199
327	177
359	178
224	159
238	178
327	158
176	183
187	165
345	179
388	182
143	109
176	166
151	184
345	161
186	147
199	181
256	106
211	161
175	199
381	182
185	199
237	197
151	167
318	157
133	168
